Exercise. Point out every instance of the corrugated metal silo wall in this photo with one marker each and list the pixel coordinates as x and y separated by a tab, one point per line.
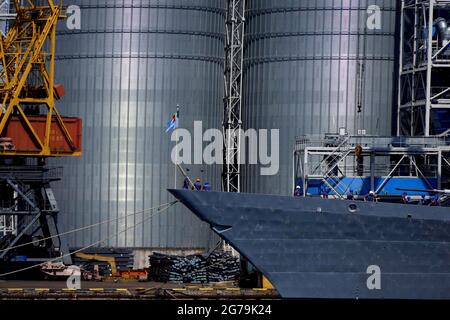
301	67
124	73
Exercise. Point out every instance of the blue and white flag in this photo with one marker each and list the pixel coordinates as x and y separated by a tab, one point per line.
172	124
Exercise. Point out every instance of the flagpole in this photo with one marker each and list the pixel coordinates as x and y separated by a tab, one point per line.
176	157
176	146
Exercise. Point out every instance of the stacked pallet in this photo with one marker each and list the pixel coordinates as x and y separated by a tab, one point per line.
217	267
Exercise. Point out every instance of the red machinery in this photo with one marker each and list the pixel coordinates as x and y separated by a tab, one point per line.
31	130
22	143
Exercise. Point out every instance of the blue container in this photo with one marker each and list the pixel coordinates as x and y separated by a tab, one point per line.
21	258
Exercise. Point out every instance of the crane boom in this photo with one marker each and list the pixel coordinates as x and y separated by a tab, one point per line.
29	120
32	129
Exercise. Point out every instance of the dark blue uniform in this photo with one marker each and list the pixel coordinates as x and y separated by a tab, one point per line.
434	201
350	195
198	185
186	183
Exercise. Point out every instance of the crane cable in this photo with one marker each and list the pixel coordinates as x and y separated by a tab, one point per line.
159	210
82	228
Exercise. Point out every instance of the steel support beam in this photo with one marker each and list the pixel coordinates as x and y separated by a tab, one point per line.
26	195
232	122
424	56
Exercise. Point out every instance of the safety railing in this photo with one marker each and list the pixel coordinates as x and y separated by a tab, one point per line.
373	142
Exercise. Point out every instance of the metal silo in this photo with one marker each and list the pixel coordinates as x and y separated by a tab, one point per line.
314	66
124	72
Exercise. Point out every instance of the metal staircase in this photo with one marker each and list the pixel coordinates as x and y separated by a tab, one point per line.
329	166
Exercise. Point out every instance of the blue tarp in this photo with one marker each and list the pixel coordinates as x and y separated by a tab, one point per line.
361	185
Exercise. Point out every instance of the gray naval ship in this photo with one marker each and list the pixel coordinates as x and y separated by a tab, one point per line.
327	248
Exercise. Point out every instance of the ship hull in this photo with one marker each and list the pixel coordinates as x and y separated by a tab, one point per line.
324	248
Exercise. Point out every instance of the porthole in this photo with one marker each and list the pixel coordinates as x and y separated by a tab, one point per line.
353	208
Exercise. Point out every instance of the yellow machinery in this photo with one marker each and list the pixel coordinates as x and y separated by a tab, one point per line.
266	284
31	129
27	65
95	257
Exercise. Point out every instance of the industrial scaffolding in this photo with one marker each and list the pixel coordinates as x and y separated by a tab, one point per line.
424	82
332	159
232	122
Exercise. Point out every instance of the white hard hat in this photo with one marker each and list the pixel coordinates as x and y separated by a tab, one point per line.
298	187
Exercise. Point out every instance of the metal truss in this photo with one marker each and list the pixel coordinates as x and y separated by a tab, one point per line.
232	123
424	83
27	197
333	158
27	64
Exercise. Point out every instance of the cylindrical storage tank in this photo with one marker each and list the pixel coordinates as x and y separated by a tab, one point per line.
307	65
124	71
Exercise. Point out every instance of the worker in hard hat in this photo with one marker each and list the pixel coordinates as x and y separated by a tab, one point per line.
350	195
371	197
206	186
404	197
198	184
434	201
298	191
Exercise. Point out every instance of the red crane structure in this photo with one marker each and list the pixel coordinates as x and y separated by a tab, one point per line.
31	130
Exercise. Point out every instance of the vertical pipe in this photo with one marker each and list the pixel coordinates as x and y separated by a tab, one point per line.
372	171
413	76
439	170
305	171
429	68
294	182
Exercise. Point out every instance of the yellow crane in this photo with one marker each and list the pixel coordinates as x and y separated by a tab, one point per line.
27	67
31	128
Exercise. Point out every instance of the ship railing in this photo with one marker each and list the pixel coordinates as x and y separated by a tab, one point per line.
379	170
304	142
